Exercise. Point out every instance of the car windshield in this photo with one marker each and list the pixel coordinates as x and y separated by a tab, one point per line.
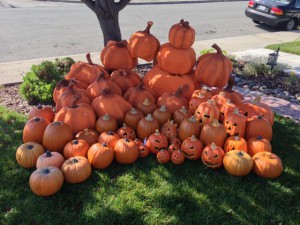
284	2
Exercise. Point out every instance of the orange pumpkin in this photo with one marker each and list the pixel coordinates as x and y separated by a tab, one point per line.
196	100
162	115
206	112
258	126
192	148
106	123
147	126
267	165
126	151
189	127
100	156
258	144
146	107
237	163
169	129
34	129
174	60
220	100
173	147
235	123
143	45
212	156
89	135
235	143
115	55
50	159
77	147
156	142
163	156
177	157
213	132
126	132
143	149
133	117
182	35
110	138
43	111
180	114
213	69
125	79
28	153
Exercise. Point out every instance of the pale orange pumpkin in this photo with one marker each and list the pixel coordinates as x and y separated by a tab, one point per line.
189	127
213	132
235	143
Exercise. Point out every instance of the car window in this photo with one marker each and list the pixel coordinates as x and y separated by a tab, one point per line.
284	2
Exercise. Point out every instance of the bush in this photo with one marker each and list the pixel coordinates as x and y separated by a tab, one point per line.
39	83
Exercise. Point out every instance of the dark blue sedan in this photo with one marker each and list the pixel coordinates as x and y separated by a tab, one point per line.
283	13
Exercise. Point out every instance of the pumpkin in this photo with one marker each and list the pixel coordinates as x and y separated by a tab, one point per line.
115	55
182	35
258	126
192	148
126	132
175	100
50	159
56	136
63	84
96	88
189	127
162	115
169	129
43	111
163	156
77	147
126	151
138	94
213	69
258	144
174	60
173	147
238	163
227	108
147	126
175	140
206	112
76	169
235	143
146	107
212	156
180	114
220	100
204	91
86	72
257	108
28	153
112	104
143	151
106	123
156	142
161	81
46	181
143	45
213	132
133	117
234	96
195	101
177	157
109	137
77	116
34	129
100	156
125	79
267	165
235	123
89	135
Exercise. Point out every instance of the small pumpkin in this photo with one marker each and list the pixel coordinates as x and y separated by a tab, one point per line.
126	132
44	111
46	181
100	156
28	153
106	123
178	157
162	115
180	114
235	143
34	129
169	129
192	148
238	163
175	140
146	107
50	159
258	144
173	147
195	101
76	169
89	135
109	137
163	156
212	156
77	147
126	151
156	142
189	127
133	117
258	126
182	35
213	132
267	165
143	151
147	126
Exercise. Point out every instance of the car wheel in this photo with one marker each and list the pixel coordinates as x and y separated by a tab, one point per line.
256	21
291	24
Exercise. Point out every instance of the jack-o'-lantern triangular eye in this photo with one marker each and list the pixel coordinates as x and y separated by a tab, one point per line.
235	124
227	122
215	156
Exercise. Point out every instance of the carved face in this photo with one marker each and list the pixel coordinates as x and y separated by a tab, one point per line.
156	142
175	140
173	147
192	148
143	151
177	157
212	156
235	124
207	112
126	132
169	129
163	156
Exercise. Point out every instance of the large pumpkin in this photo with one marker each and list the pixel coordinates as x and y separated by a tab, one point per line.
28	153
213	132
106	123
34	129
147	126
267	165
89	135
46	181
182	35
237	163
174	60
110	138
258	126
213	69
143	45
188	127
100	156
126	151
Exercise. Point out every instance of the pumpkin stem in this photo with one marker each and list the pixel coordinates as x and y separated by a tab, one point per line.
75	142
124	125
110	132
29	147
76	99
213	146
48	153
86	131
236	138
210	101
219	50
101	77
193	138
104	144
183	109
74	160
107	92
106	117
149	117
163	108
193	119
46	171
256	100
146	101
201	95
126	140
240	154
57	123
231	82
157	132
39	106
37	119
149	25
259	137
268	155
222	94
236	111
122	44
215	122
181	90
133	111
88	58
185	24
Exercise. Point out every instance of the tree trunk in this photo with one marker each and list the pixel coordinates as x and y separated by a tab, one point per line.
110	28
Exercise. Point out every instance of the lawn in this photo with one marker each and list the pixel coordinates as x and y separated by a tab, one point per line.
288	47
150	193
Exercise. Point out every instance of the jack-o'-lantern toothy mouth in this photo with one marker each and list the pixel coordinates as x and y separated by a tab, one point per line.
211	165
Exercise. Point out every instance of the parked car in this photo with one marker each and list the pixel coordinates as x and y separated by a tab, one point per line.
283	13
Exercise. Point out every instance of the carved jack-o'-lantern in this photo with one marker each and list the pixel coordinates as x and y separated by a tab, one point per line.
173	148
177	157
163	156
206	112
212	156
175	140
235	123
192	148
143	149
126	132
169	129
156	142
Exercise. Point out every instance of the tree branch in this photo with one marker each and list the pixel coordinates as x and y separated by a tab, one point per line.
90	4
121	4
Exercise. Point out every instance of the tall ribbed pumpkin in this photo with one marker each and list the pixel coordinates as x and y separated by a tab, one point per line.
182	35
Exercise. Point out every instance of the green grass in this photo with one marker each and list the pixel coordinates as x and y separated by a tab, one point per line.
150	193
288	47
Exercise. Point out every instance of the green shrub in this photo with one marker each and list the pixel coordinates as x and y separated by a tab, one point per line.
39	83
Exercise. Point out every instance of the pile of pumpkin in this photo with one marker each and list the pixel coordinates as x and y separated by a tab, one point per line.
110	112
